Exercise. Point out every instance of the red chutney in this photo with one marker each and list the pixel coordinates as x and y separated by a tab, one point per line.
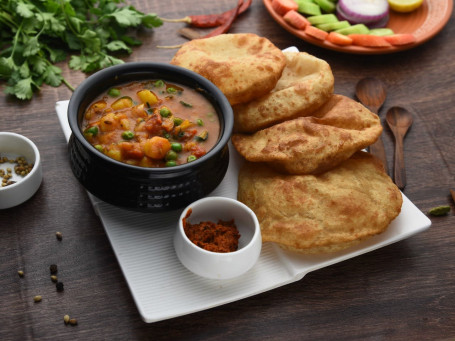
220	237
152	124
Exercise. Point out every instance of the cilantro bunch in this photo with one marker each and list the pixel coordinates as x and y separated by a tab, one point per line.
37	34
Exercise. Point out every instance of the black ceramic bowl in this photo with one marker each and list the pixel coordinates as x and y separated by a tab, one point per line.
139	188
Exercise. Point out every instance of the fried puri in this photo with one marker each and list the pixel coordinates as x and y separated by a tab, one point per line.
305	85
321	213
313	144
243	66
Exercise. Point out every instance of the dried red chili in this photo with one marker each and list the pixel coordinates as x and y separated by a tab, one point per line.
216	237
211	20
226	25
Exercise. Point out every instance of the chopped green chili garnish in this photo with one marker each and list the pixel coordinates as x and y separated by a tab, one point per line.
171	90
177	121
100	148
191	158
185	104
200	122
159	83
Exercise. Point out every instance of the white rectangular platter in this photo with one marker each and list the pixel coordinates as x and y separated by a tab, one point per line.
162	288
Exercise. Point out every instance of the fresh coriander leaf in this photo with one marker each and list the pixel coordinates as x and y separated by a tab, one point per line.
76	63
52	75
38	64
24	70
151	20
56	55
22	89
25	10
125	16
118	45
32	47
7	66
130	40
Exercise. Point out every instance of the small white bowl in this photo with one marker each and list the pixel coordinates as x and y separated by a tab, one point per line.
13	145
215	265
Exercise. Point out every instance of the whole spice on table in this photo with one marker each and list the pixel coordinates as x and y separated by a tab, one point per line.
452	192
53	269
54	278
73	321
59	286
66	319
37	298
20	273
439	210
227	24
59	235
216	237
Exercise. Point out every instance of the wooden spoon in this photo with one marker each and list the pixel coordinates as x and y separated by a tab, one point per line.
371	93
399	121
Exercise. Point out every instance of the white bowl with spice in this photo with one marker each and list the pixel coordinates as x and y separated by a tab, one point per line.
20	169
218	238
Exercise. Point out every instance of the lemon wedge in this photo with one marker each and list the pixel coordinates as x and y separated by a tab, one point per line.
404	6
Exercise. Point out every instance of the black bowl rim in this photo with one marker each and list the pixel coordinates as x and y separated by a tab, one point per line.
130	67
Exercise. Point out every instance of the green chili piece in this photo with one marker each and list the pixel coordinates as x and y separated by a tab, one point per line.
185	104
439	210
171	155
127	135
165	112
159	83
166	135
171	90
171	163
91	131
176	147
100	148
191	158
113	92
211	116
200	122
177	121
202	136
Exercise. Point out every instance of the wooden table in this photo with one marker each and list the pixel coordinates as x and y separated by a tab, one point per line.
405	291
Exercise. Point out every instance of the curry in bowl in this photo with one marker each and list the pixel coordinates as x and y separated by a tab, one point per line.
152	124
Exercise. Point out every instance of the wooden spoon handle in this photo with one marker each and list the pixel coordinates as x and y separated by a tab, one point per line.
399	171
378	150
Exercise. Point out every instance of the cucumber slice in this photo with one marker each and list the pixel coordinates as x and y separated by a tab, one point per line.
308	8
354	29
381	31
326	5
322	19
332	26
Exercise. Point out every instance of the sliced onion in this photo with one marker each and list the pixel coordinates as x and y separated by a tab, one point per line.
380	23
363	11
372	24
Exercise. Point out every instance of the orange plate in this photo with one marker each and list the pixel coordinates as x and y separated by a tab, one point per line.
424	23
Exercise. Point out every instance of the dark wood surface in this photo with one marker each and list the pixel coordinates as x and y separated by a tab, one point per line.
405	291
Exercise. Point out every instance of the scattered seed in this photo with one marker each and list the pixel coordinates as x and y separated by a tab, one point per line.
59	235
54	278
439	210
53	269
20	273
73	321
59	286
37	298
66	319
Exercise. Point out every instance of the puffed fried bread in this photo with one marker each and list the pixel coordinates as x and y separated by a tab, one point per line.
321	213
305	85
313	144
243	66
